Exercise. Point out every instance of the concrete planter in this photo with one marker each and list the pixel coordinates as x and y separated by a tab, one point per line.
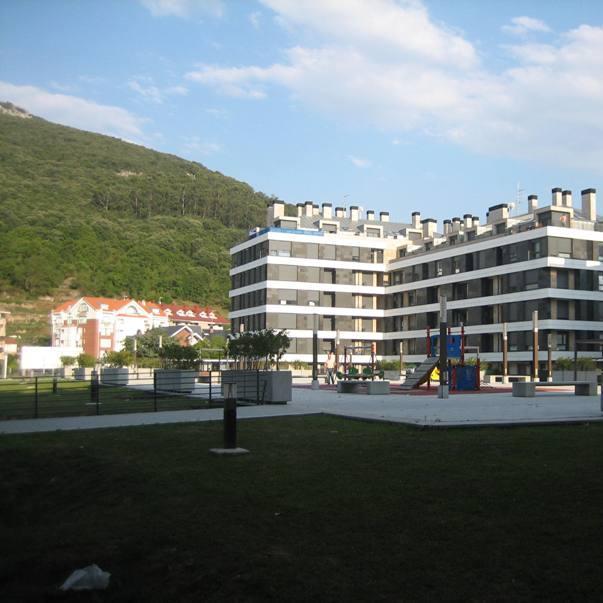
274	386
65	372
83	374
391	375
115	376
568	375
175	380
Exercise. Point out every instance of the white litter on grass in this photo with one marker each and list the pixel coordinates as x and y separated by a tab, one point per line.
87	578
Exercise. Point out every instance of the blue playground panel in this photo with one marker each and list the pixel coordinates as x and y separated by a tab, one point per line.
465	377
453	345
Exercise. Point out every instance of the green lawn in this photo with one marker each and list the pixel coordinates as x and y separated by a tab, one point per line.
323	509
72	398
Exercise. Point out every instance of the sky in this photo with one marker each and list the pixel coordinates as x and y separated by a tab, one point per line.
393	105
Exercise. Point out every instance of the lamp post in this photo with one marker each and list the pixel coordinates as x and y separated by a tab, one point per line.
315	384
443	387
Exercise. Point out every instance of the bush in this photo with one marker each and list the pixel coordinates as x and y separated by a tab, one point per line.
586	364
118	359
388	365
179	357
68	360
86	361
258	349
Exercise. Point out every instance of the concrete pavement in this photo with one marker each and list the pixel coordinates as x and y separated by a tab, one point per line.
425	410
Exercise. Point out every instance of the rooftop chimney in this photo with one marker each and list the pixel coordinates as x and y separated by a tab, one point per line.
468	218
429	227
416	219
315	209
309	208
566	197
300	210
532	203
354	213
384	216
589	204
447	226
340	212
370	214
556	193
327	211
499	212
275	210
475	221
456	224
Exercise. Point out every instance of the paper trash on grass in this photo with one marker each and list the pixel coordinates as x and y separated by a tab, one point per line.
87	578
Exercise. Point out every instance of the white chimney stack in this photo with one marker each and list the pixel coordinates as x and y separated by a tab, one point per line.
370	214
532	203
384	216
589	204
468	218
447	226
456	224
567	198
556	196
354	213
309	208
300	210
475	221
340	212
416	219
429	227
500	212
327	211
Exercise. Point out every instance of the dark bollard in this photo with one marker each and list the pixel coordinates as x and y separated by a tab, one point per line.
230	417
230	423
55	385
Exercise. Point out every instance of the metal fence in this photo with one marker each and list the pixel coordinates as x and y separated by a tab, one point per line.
47	396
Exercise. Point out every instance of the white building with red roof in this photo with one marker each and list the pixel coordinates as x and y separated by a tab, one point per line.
99	324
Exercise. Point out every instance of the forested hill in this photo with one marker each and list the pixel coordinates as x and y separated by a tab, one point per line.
111	218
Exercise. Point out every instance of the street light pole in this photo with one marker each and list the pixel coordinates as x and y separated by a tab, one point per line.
443	387
315	384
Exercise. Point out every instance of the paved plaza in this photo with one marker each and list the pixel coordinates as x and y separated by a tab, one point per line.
426	410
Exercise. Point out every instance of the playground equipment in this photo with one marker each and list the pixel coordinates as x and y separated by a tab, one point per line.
351	372
461	376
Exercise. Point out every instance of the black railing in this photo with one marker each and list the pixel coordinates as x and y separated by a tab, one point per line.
38	397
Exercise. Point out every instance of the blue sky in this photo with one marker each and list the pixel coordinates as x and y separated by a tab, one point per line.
437	106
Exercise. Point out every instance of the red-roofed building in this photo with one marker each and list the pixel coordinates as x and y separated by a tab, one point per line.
98	324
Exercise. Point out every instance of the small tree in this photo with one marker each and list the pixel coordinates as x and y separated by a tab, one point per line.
86	361
118	359
259	349
68	360
177	356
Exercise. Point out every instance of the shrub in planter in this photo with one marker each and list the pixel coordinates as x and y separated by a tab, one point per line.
256	352
118	359
86	361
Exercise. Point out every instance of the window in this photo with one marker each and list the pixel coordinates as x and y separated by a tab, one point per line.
280	248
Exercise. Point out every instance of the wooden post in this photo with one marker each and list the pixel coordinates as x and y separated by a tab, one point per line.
230	416
535	345
443	364
549	359
505	358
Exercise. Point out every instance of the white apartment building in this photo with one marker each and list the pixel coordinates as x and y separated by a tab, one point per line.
370	280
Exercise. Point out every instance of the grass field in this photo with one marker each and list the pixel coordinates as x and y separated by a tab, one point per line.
323	509
73	398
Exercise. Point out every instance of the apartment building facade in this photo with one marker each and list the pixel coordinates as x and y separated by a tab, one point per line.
97	325
367	280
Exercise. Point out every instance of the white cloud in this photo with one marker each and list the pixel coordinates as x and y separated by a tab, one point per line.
74	111
196	145
359	162
521	26
183	8
388	64
147	89
255	19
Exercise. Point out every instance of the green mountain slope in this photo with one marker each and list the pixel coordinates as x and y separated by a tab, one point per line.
111	218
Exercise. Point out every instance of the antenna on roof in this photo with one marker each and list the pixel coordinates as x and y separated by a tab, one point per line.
518	196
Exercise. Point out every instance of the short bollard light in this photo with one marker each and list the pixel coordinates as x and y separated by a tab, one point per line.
230	423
